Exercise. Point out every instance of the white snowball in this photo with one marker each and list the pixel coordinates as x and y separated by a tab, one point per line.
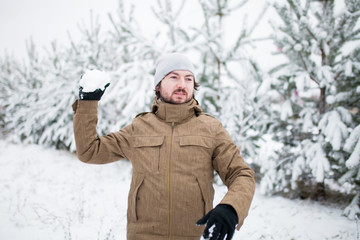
94	79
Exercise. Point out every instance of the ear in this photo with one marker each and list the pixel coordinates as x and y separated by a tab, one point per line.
157	88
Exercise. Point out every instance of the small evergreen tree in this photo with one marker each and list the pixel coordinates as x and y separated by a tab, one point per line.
8	84
314	95
229	76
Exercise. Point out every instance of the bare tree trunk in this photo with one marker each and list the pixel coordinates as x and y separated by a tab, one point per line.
322	102
320	186
320	194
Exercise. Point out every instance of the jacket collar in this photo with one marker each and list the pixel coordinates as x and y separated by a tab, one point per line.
175	113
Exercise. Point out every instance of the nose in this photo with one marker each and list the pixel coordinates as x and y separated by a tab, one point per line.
181	83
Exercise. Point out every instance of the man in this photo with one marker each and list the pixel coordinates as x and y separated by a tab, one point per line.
174	150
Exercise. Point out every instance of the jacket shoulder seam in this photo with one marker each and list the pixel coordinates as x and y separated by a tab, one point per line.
207	114
141	114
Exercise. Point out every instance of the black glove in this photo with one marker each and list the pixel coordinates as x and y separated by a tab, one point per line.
224	219
95	95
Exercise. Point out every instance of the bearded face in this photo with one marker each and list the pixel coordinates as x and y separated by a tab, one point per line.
177	87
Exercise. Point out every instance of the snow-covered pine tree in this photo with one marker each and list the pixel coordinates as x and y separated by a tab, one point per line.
36	110
229	76
313	114
5	73
24	82
350	95
9	79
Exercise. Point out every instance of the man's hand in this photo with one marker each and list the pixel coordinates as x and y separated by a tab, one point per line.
92	85
95	95
220	223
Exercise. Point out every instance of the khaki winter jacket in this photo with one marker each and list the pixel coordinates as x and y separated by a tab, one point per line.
174	151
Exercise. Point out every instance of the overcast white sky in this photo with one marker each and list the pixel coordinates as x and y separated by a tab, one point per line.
44	20
48	20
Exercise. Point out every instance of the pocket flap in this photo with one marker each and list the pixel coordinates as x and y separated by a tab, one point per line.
207	192
195	141
147	141
138	180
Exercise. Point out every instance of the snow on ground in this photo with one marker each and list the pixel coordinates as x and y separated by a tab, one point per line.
49	194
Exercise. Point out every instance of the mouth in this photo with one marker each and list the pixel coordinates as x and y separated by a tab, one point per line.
180	93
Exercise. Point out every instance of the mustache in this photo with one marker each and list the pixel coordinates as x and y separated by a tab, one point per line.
180	90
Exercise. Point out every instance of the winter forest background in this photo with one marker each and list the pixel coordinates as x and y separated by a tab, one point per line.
295	114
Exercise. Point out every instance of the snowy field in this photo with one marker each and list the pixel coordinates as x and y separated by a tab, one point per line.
49	194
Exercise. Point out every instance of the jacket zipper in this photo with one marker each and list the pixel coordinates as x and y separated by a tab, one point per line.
169	180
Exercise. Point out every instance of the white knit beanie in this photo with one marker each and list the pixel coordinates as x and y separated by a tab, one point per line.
171	62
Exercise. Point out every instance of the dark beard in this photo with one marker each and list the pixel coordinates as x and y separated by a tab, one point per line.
171	102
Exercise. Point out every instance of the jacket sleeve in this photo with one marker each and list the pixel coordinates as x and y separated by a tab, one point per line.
235	174
90	147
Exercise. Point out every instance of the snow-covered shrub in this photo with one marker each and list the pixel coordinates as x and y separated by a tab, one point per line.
317	99
39	109
229	77
7	85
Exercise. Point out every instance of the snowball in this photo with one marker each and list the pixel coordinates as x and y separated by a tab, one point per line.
94	79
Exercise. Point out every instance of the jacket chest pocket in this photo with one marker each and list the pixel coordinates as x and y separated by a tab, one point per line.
197	151
147	153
